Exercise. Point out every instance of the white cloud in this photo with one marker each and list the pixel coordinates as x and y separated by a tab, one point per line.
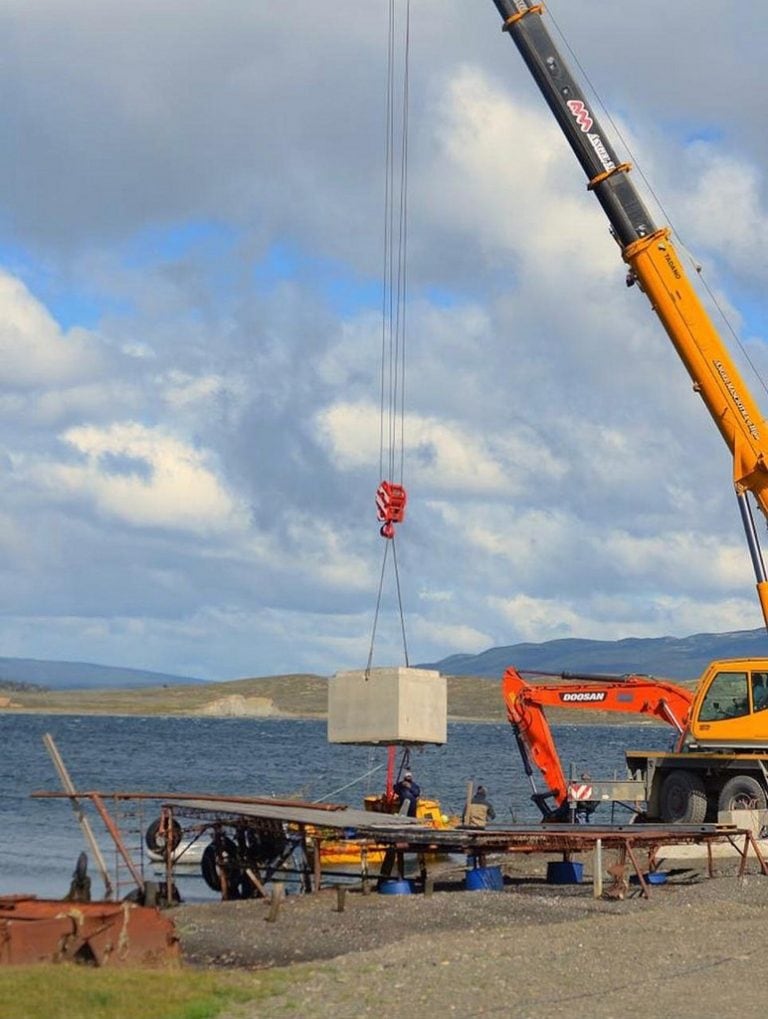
681	557
506	180
146	478
210	434
322	556
725	212
183	390
33	349
541	619
453	637
441	454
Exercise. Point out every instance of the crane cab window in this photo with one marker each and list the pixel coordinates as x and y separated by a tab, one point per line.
760	691
727	697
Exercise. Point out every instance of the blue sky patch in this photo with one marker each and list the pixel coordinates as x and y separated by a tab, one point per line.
345	290
68	303
158	245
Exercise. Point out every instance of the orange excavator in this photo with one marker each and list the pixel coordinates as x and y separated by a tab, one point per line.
525	703
719	761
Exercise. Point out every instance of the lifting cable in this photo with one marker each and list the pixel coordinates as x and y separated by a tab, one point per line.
391	496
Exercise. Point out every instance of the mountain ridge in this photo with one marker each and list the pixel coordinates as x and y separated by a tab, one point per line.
678	658
59	675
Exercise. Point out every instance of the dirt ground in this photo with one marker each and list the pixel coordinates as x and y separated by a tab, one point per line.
533	950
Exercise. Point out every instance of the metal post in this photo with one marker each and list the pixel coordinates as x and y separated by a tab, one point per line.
468	804
750	531
341	894
317	876
117	838
167	814
275	901
755	552
597	869
83	821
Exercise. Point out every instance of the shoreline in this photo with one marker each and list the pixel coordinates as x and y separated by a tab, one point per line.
581	719
577	718
531	951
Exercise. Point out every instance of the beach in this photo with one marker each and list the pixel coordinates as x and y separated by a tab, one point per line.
693	949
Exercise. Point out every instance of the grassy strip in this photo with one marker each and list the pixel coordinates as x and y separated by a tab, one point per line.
469	697
81	992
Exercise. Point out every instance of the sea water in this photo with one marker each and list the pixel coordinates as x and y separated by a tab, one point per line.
40	839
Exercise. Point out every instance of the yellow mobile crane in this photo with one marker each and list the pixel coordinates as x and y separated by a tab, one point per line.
656	268
721	757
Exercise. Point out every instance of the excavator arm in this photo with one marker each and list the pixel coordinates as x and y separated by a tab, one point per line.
525	703
655	267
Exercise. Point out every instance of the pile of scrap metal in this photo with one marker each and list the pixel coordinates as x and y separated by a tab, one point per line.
100	933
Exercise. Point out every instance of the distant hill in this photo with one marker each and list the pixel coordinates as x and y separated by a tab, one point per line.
679	658
82	675
670	657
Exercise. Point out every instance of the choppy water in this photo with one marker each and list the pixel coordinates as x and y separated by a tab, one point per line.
40	839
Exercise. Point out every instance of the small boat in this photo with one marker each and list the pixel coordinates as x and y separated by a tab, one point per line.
352	851
187	852
109	934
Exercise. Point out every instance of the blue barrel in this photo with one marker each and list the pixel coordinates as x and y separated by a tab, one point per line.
484	879
393	886
564	873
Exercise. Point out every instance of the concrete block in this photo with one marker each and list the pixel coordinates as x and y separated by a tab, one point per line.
753	820
390	705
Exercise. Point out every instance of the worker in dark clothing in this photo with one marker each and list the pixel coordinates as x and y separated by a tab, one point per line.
480	810
408	792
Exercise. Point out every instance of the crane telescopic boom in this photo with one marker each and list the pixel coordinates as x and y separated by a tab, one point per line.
656	268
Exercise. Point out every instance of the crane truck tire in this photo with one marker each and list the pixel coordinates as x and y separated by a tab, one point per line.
683	799
742	792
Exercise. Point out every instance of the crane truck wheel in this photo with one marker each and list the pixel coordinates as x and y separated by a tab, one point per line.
742	792
683	799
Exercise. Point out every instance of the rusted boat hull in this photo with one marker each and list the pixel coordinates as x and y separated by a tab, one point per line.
100	933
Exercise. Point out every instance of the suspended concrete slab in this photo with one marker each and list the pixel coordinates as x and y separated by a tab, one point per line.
395	705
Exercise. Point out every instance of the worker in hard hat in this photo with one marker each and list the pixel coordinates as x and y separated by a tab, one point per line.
407	792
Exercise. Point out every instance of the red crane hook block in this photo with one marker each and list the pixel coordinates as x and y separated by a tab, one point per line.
390	507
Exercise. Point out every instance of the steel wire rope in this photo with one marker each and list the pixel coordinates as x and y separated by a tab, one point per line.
695	264
385	272
402	261
394	290
347	785
377	610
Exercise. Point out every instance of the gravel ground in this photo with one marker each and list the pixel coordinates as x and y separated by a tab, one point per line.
694	949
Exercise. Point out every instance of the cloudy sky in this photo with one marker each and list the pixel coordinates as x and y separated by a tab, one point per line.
191	219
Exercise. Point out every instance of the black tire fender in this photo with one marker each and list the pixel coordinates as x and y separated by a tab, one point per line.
220	852
157	842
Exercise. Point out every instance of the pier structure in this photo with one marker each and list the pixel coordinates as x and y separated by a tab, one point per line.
254	843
